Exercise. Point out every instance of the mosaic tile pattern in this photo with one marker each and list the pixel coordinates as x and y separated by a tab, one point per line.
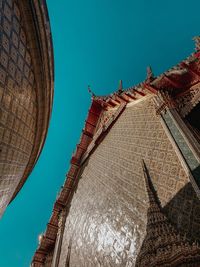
18	106
107	219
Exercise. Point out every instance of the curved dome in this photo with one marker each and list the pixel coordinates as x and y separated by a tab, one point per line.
26	90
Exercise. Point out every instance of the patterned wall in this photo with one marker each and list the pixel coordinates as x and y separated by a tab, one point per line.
18	106
107	219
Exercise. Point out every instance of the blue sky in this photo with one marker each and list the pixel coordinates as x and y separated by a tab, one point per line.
97	43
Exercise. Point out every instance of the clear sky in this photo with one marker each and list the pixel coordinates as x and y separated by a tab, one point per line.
96	42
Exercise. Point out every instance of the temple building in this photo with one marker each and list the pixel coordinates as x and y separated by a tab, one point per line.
26	90
132	193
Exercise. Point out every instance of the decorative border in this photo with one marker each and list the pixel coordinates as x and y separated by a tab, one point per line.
188	101
185	152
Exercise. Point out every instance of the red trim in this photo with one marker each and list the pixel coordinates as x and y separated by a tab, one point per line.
114	102
94	113
80	147
85	132
131	96
93	125
150	88
120	99
139	92
105	104
126	97
172	82
197	54
52	225
38	261
190	69
41	252
74	161
58	206
48	238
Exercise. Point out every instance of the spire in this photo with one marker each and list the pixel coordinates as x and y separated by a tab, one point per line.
153	199
90	91
163	245
120	88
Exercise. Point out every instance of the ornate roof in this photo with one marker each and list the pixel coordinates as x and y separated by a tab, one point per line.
176	81
163	245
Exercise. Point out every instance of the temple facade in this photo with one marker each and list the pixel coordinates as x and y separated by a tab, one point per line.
132	193
26	91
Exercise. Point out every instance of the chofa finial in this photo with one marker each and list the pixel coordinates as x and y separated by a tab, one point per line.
197	42
90	91
120	88
150	75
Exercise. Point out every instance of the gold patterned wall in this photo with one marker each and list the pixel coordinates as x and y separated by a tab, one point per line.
107	218
18	100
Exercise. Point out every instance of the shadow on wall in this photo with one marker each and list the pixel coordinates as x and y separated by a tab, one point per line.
184	212
196	174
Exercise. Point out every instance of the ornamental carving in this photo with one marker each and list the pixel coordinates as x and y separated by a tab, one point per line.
188	101
164	101
163	244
